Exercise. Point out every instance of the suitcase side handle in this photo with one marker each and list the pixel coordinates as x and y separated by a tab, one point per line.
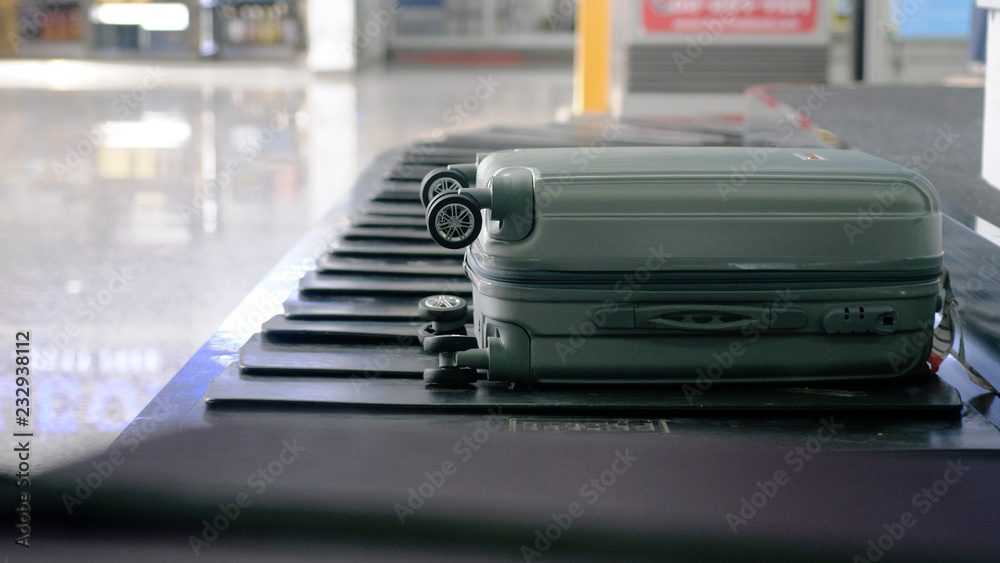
703	318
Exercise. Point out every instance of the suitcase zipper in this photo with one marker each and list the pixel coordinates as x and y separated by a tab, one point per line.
768	279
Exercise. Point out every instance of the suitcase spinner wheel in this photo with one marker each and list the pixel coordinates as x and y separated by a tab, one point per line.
446	315
440	181
454	220
448	373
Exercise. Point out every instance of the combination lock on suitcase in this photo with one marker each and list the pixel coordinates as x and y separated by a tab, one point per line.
672	265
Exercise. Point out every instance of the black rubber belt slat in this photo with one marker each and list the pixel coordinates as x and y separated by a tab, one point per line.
361	361
733	133
634	136
407	186
397	196
353	307
396	191
331	264
389	221
312	283
427	152
434	160
392	209
510	138
400	332
387	234
409	172
489	143
369	248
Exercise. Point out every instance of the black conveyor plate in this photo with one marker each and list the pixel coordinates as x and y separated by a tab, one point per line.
367	248
389	266
347	360
356	307
927	398
373	285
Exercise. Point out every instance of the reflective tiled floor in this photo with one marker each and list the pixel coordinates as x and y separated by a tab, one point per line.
140	203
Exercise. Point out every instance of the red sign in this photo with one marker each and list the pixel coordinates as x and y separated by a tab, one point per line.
776	17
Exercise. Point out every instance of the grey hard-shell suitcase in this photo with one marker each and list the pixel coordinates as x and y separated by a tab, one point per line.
653	265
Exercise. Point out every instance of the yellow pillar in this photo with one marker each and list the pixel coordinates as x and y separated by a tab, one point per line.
592	58
10	34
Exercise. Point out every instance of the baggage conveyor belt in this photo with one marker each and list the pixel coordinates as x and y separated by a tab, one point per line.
362	461
347	337
366	359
